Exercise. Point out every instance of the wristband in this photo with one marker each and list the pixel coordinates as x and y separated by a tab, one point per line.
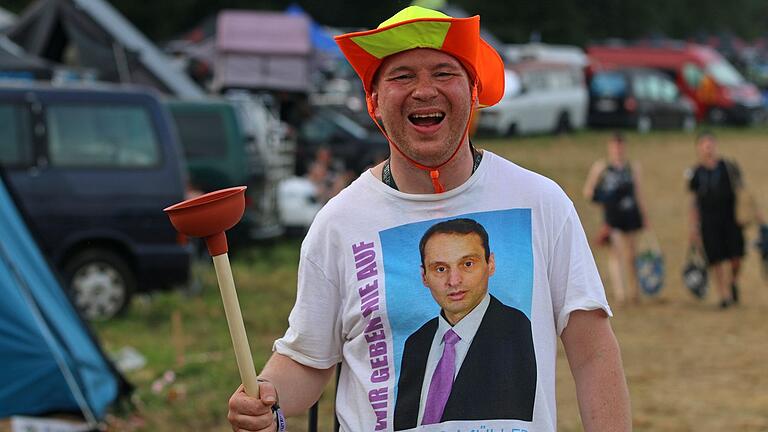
279	418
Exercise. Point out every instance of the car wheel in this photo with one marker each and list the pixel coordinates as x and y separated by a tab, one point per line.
100	283
644	124
563	123
689	123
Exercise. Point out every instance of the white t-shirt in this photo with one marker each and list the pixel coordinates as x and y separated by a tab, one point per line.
360	294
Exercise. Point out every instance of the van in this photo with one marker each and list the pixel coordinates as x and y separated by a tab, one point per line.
92	168
539	97
219	154
717	89
640	98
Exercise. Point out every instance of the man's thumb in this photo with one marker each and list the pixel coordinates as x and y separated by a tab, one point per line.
267	392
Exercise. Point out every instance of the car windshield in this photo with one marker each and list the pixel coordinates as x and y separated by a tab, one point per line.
725	74
608	84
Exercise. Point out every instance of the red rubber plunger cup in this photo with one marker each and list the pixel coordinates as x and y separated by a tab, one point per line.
209	216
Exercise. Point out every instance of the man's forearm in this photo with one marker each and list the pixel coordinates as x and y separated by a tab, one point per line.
603	395
595	360
298	386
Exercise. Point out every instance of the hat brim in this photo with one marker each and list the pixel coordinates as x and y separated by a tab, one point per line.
458	37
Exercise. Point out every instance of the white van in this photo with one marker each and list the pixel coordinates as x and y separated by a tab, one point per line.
539	97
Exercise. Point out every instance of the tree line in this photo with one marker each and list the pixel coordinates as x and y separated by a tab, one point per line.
553	21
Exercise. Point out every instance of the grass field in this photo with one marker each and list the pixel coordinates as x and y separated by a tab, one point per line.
690	366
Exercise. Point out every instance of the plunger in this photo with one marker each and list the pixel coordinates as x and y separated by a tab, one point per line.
209	216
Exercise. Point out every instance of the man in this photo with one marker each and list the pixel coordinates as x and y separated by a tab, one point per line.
423	72
712	215
492	348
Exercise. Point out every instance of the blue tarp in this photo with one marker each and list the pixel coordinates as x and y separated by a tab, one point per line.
49	362
321	40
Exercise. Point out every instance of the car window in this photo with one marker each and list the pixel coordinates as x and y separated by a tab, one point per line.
608	84
724	73
654	87
641	88
15	140
101	136
562	79
535	80
669	91
692	75
554	80
202	134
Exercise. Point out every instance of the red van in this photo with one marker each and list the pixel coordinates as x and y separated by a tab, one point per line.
717	89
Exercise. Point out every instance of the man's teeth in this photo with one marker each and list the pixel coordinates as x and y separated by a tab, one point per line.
431	115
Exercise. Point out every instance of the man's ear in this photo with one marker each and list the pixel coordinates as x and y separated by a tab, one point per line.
424	277
373	103
491	265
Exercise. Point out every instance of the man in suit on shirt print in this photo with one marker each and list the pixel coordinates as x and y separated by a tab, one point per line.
475	361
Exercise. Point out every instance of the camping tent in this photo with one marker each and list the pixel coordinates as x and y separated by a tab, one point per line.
262	51
92	34
50	361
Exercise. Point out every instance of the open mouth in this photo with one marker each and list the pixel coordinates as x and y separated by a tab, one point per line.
427	119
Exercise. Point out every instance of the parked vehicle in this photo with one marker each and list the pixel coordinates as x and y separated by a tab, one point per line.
352	139
570	54
220	154
718	90
638	97
92	169
539	97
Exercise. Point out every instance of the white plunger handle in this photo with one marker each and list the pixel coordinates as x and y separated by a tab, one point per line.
235	323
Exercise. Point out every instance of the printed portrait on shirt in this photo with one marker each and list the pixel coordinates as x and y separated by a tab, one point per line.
458	298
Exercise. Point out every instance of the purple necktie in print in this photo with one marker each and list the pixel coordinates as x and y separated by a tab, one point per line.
442	380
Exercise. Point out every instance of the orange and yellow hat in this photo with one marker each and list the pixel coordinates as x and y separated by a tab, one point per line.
418	27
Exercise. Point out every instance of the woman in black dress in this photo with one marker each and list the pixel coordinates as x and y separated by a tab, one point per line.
615	184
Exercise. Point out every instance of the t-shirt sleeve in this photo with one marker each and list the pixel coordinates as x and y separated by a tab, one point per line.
573	277
314	332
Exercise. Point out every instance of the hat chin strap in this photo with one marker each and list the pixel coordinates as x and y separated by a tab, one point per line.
434	171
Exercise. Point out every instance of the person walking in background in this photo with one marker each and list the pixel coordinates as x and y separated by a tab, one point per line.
615	183
712	216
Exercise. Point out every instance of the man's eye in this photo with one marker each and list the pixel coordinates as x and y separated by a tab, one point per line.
469	264
400	77
440	269
444	74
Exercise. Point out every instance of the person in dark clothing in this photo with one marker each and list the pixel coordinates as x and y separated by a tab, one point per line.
712	216
615	184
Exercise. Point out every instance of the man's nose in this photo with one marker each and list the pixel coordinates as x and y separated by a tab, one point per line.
454	278
425	90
